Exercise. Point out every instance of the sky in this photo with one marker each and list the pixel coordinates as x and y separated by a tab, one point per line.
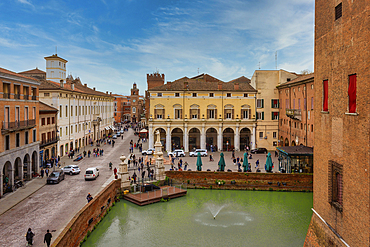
110	44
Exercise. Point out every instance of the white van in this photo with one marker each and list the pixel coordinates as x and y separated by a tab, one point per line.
91	173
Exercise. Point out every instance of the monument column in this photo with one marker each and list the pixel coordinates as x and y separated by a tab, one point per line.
168	138
203	137
151	136
219	139
160	169
186	138
123	172
237	138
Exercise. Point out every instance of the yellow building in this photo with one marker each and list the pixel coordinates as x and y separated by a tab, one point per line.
203	112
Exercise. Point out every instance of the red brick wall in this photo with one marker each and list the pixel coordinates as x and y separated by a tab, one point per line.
342	49
258	181
77	228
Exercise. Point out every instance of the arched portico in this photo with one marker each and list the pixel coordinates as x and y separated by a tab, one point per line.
211	139
18	169
228	139
286	143
177	136
7	175
162	136
245	137
293	143
27	167
35	167
194	138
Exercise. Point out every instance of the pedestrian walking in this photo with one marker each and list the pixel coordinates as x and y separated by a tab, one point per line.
47	172
42	173
47	238
89	198
29	237
115	171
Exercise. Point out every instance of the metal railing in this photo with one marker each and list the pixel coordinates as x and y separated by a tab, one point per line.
49	141
17	96
294	113
25	97
6	95
33	97
18	124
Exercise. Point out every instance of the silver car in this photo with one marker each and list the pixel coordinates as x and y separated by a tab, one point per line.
71	169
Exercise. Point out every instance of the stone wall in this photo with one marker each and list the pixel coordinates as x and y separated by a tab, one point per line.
242	180
92	212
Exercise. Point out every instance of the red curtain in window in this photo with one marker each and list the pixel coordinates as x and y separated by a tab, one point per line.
325	96
352	93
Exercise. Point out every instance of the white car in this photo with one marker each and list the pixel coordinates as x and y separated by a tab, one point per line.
71	169
203	153
118	134
114	137
177	153
148	152
91	173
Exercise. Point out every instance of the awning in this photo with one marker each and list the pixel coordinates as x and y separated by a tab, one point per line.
107	128
113	128
143	131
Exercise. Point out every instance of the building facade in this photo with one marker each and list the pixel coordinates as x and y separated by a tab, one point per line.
296	100
341	215
267	105
19	139
203	112
48	128
85	115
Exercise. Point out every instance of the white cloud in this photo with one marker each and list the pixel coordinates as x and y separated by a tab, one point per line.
25	2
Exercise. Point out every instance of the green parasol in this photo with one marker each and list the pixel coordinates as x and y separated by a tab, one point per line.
199	162
245	162
221	163
268	166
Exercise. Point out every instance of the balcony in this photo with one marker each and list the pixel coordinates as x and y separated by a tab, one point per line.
26	97
294	114
8	127
33	97
17	96
49	142
6	95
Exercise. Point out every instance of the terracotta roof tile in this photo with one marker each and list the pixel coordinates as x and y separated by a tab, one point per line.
300	78
46	107
33	71
5	71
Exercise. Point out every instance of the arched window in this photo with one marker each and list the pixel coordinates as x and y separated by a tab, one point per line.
159	111
229	112
246	112
194	112
177	111
211	112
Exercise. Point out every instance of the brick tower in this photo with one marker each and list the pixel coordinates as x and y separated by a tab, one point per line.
153	80
135	117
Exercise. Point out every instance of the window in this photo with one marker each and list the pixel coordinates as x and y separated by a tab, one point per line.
293	103
311	103
53	120
26	113
42	121
178	113
274	135
338	11
71	129
260	115
299	104
159	94
34	137
211	113
274	144
61	132
7	142
304	104
17	139
66	130
335	184
177	94
159	113
228	115
133	109
286	103
325	95
259	103
26	137
76	128
194	113
275	115
66	111
194	94
261	134
246	114
211	95
274	103
17	114
245	95
311	127
311	86
60	111
48	120
228	95
352	94
46	94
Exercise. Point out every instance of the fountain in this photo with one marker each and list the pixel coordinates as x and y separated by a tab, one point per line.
215	210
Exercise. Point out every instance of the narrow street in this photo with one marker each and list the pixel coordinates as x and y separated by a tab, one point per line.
53	206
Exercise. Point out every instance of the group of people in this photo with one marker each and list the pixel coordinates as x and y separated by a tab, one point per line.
30	235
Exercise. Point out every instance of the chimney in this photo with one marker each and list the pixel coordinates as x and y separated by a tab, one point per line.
168	85
186	85
73	86
219	86
94	88
106	92
236	85
61	83
85	85
110	93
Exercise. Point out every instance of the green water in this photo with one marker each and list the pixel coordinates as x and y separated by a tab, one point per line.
245	218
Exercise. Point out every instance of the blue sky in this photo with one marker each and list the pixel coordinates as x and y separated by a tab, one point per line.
110	44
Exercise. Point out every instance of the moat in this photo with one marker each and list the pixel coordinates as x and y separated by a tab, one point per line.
209	218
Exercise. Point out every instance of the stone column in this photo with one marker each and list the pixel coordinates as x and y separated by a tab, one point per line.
186	138
151	136
219	138
253	137
123	172
160	169
168	138
203	137
237	138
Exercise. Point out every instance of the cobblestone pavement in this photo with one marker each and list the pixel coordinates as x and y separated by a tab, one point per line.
43	207
53	206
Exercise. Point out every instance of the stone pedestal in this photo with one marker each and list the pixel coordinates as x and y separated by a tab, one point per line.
158	154
123	172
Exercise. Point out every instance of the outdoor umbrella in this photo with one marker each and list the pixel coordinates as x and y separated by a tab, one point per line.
245	162
199	162
268	166
221	163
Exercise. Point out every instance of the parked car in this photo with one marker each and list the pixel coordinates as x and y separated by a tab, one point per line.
79	157
114	136
259	151
203	152
177	153
148	152
121	131
118	134
71	169
91	173
55	177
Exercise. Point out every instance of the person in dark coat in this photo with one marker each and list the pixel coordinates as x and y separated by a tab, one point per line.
47	238
29	236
